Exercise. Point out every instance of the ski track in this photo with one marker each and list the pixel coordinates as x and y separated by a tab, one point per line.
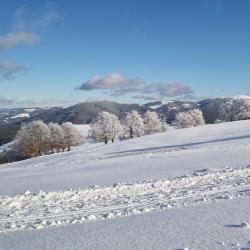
45	209
152	152
91	153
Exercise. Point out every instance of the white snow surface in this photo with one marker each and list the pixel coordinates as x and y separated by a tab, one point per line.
45	209
242	97
30	110
163	155
7	146
183	189
21	115
156	106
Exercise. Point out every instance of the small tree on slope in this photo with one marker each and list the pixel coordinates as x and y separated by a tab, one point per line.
107	127
33	138
134	125
191	118
72	136
153	123
56	137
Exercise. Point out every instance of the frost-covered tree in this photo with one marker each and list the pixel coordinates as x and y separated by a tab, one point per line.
72	136
234	110
134	125
153	123
242	110
32	139
107	127
164	124
191	118
115	127
56	137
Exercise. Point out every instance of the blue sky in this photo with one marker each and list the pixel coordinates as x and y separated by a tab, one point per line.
62	52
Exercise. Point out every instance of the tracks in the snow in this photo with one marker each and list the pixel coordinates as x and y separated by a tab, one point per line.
40	210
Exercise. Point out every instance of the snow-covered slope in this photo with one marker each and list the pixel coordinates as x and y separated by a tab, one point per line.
46	209
169	183
170	154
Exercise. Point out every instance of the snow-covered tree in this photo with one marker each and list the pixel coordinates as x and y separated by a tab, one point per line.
33	138
242	110
72	136
153	123
56	137
115	127
164	124
233	110
191	118
107	127
134	125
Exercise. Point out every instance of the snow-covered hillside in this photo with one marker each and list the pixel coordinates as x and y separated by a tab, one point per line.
163	155
195	176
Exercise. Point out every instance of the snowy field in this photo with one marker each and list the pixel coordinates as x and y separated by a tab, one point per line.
214	226
171	154
183	189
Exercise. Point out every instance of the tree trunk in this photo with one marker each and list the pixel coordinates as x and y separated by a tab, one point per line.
131	133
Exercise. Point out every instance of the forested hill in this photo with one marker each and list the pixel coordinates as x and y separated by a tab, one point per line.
213	109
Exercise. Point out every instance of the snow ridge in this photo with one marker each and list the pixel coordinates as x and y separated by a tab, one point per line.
45	209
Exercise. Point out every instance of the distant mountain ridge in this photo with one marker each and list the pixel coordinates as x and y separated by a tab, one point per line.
86	112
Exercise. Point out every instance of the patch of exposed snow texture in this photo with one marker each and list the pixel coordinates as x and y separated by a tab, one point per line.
45	209
22	115
166	102
156	106
242	97
30	110
210	226
7	146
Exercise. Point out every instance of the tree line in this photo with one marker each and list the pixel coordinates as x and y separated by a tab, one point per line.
37	138
108	127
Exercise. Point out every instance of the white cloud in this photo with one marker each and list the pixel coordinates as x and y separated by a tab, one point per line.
28	25
119	85
112	81
5	102
192	98
17	38
35	102
9	70
146	97
27	19
173	89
